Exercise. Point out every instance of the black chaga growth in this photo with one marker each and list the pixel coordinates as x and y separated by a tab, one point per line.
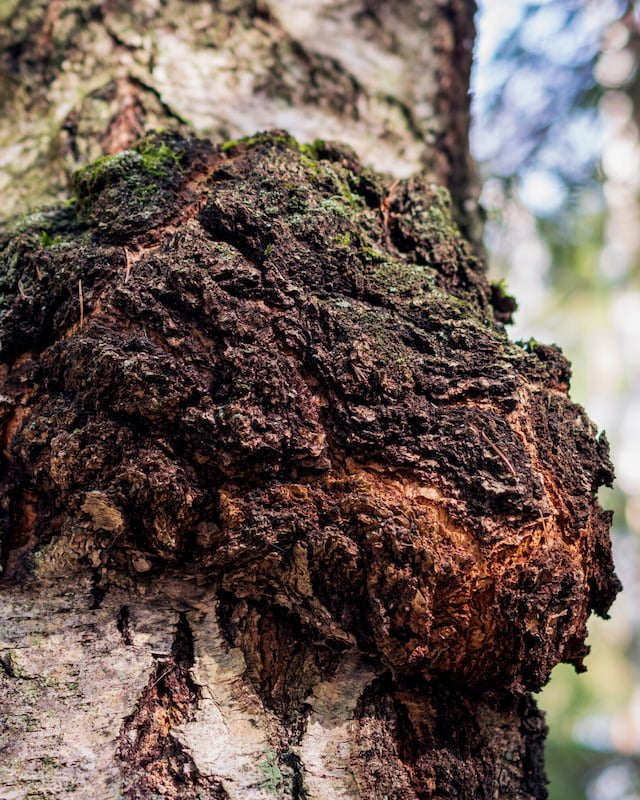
270	367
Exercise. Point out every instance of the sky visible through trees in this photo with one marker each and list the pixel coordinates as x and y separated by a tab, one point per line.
557	107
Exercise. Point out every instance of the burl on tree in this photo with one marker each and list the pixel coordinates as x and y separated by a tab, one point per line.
279	379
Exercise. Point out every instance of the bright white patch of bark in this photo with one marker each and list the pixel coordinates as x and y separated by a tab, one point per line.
232	737
326	747
67	682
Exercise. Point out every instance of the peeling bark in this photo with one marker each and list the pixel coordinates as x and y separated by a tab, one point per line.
269	455
326	748
67	683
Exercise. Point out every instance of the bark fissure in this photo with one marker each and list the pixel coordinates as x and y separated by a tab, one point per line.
153	760
123	623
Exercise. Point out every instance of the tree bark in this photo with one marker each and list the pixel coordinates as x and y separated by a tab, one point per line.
284	512
83	78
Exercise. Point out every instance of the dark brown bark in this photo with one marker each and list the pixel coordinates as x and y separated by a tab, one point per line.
261	392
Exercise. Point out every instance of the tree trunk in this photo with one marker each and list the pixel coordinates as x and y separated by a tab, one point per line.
85	78
284	513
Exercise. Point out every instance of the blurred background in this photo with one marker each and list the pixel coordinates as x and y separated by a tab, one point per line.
557	135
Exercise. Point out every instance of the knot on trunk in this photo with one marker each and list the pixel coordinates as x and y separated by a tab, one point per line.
267	366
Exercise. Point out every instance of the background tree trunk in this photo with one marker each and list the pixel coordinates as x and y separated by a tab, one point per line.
284	513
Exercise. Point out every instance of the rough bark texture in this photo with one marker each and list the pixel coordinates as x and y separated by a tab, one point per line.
80	78
295	515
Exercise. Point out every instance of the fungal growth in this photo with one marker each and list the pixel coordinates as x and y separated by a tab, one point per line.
264	395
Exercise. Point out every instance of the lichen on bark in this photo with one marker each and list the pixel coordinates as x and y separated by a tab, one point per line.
274	377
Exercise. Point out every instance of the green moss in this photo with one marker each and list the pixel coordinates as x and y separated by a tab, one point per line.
313	149
311	165
265	137
344	239
350	197
49	240
500	287
147	160
271	776
145	192
335	205
528	345
87	178
503	303
229	145
395	277
371	255
158	159
309	154
436	219
132	190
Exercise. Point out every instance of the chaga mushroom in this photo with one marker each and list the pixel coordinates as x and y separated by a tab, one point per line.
266	366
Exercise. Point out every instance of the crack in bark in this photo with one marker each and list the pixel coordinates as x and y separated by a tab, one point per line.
153	760
98	592
123	623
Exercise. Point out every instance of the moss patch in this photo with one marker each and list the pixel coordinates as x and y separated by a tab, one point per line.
135	189
271	775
